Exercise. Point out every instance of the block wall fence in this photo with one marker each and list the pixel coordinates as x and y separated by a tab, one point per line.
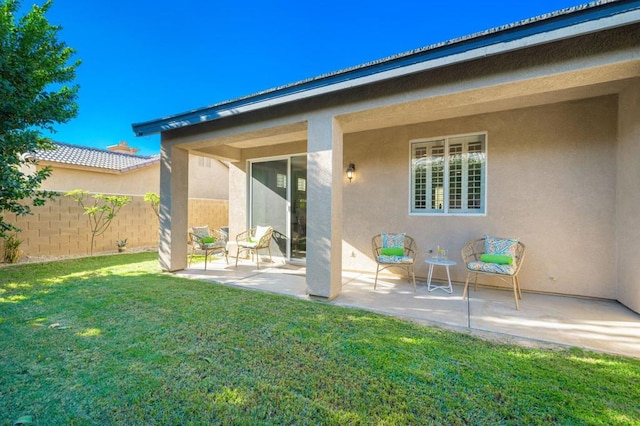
60	227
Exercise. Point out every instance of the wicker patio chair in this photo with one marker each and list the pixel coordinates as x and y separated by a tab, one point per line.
253	240
209	241
406	260
472	256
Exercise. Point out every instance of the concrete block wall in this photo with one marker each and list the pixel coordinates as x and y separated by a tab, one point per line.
60	227
214	213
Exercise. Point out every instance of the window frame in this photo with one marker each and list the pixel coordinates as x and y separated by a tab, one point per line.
446	211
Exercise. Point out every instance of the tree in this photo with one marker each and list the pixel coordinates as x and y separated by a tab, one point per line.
154	200
101	213
34	71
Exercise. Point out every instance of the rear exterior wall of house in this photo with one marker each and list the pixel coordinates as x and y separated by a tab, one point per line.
551	183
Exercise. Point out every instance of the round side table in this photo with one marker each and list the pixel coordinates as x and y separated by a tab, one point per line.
432	261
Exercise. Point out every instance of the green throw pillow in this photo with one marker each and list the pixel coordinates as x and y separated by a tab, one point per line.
207	240
392	251
499	259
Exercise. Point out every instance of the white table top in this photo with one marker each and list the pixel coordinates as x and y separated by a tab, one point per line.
442	262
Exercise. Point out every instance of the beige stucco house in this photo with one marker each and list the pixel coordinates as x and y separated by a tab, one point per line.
119	170
531	130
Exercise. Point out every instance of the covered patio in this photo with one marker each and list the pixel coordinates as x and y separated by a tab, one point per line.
543	319
529	131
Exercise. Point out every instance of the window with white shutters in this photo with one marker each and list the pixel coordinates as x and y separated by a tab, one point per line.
448	175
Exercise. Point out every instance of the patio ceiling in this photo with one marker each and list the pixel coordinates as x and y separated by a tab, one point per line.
500	97
432	106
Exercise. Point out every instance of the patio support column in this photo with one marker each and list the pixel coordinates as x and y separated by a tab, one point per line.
324	206
628	197
174	200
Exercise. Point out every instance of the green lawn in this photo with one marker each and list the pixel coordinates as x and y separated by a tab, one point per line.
110	339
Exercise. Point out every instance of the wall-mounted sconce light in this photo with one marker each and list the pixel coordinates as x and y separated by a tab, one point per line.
351	169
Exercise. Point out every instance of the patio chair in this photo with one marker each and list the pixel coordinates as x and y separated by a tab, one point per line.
253	240
394	250
209	241
498	257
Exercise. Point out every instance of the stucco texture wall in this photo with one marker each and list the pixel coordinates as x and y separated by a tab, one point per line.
135	182
208	178
238	217
629	198
551	183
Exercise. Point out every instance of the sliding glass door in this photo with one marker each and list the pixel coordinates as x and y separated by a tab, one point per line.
298	209
278	198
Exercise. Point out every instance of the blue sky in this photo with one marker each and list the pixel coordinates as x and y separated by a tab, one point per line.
144	59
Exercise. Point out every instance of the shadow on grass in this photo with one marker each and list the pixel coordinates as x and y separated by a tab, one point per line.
20	282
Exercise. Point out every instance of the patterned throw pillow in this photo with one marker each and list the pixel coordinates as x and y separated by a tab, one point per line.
500	246
201	231
390	240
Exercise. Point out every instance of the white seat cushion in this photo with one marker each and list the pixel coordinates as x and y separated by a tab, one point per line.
247	244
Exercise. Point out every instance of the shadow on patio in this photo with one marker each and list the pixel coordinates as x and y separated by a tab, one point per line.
599	325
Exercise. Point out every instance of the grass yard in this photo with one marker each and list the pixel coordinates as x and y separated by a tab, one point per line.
110	339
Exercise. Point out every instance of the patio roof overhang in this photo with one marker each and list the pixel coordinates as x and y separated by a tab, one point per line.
555	27
423	97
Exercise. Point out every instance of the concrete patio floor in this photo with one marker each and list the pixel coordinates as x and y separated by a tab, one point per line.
543	320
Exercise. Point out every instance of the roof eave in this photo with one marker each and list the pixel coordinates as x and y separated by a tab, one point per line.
585	19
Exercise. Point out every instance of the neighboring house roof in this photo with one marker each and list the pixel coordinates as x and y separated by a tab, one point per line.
76	156
566	23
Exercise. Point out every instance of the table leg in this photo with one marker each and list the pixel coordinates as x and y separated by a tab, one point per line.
448	289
